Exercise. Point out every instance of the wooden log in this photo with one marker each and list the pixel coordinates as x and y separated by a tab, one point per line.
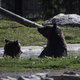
18	18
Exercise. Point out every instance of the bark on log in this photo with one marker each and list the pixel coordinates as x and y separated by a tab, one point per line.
18	18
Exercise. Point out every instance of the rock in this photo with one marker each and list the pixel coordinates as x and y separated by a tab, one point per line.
42	75
33	77
64	19
8	78
37	76
67	75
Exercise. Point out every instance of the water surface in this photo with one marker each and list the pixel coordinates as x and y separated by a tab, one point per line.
34	51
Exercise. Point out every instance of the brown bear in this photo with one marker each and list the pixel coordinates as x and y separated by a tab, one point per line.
12	48
56	45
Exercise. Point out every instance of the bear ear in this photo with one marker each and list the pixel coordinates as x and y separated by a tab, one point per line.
16	41
54	26
6	40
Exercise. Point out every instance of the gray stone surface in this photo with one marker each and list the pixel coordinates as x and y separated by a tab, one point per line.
37	76
64	19
68	75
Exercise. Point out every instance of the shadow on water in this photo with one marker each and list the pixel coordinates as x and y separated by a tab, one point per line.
34	51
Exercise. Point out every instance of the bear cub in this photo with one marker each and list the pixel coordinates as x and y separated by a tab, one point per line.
12	48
